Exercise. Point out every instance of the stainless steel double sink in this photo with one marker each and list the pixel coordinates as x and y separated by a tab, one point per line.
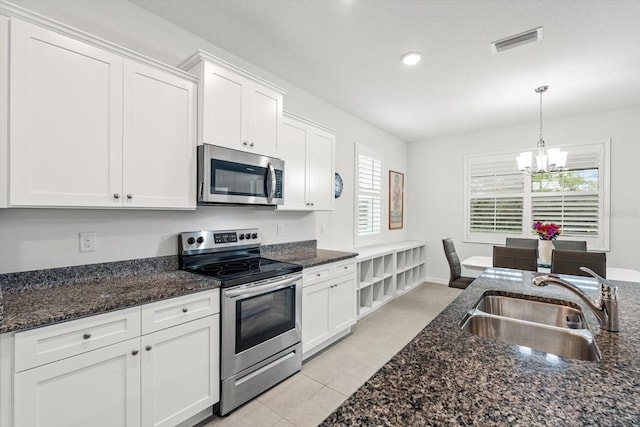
552	327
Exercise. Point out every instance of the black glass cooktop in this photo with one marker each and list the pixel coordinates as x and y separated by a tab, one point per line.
241	271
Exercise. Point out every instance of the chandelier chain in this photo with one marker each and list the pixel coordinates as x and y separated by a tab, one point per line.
541	92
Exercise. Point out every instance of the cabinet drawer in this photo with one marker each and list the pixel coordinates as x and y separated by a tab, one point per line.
340	269
50	343
174	311
317	274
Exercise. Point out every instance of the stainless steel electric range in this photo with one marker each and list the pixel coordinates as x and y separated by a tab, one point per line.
260	324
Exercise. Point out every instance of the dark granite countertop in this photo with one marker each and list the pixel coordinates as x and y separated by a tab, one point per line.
304	253
323	256
446	376
42	297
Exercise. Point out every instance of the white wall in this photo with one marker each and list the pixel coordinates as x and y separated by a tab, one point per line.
44	238
436	208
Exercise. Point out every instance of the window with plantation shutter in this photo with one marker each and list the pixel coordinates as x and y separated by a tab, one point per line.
368	197
500	201
575	198
495	195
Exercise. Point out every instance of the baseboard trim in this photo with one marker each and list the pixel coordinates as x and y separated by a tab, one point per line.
437	280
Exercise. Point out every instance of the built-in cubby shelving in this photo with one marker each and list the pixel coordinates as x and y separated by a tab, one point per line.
385	272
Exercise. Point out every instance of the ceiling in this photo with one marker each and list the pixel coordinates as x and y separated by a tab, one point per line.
347	52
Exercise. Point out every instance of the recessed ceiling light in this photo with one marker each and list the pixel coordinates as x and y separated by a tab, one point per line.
411	58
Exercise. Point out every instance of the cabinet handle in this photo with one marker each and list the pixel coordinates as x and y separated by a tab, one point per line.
86	336
148	348
185	309
134	352
116	195
129	196
318	274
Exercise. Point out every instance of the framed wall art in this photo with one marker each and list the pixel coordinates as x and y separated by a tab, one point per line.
396	200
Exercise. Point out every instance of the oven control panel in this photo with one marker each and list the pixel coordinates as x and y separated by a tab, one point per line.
215	240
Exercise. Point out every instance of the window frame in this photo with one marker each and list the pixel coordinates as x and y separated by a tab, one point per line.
376	237
602	242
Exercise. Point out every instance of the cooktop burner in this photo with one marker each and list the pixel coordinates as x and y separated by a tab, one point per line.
233	273
231	256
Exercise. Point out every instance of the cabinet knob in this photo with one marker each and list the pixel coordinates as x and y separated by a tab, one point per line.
311	203
318	274
245	143
116	195
129	196
185	309
148	348
86	336
134	352
251	145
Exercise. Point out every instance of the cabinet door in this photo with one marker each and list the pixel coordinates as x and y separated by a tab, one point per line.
343	303
159	139
294	142
180	371
223	106
316	321
320	169
100	388
264	118
65	134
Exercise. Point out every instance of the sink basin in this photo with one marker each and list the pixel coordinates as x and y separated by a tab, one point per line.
533	311
552	328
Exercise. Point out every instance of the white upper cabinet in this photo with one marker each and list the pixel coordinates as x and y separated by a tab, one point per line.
65	135
90	127
159	154
237	109
308	151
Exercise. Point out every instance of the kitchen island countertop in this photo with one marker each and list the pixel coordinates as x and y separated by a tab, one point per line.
446	376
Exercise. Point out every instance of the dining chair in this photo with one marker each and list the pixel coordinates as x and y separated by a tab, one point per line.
517	258
456	280
569	262
518	242
570	245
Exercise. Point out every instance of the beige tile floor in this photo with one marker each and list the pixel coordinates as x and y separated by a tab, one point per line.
326	380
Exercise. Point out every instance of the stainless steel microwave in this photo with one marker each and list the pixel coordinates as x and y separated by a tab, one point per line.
227	176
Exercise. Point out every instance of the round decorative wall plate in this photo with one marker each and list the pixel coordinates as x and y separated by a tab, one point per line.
338	185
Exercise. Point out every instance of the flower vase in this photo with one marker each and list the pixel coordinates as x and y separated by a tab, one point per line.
545	247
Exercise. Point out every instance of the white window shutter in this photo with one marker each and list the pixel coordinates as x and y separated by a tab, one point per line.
368	197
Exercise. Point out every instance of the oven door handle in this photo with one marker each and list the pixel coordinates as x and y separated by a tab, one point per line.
251	291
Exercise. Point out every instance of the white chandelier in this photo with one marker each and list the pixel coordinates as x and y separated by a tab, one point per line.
547	160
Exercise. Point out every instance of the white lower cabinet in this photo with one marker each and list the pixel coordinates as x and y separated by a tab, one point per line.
180	371
159	379
328	305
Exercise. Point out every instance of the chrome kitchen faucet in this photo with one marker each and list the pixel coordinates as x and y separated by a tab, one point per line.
605	309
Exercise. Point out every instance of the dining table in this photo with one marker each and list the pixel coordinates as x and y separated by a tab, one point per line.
478	262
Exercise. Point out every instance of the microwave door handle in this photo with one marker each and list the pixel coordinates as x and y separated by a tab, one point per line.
271	182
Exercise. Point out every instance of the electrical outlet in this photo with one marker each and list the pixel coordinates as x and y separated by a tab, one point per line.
88	242
280	229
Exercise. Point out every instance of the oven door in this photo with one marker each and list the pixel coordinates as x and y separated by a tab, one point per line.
236	177
259	319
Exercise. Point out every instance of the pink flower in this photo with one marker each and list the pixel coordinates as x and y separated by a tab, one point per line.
546	230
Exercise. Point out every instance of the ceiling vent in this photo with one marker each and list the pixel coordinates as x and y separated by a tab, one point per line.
530	36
